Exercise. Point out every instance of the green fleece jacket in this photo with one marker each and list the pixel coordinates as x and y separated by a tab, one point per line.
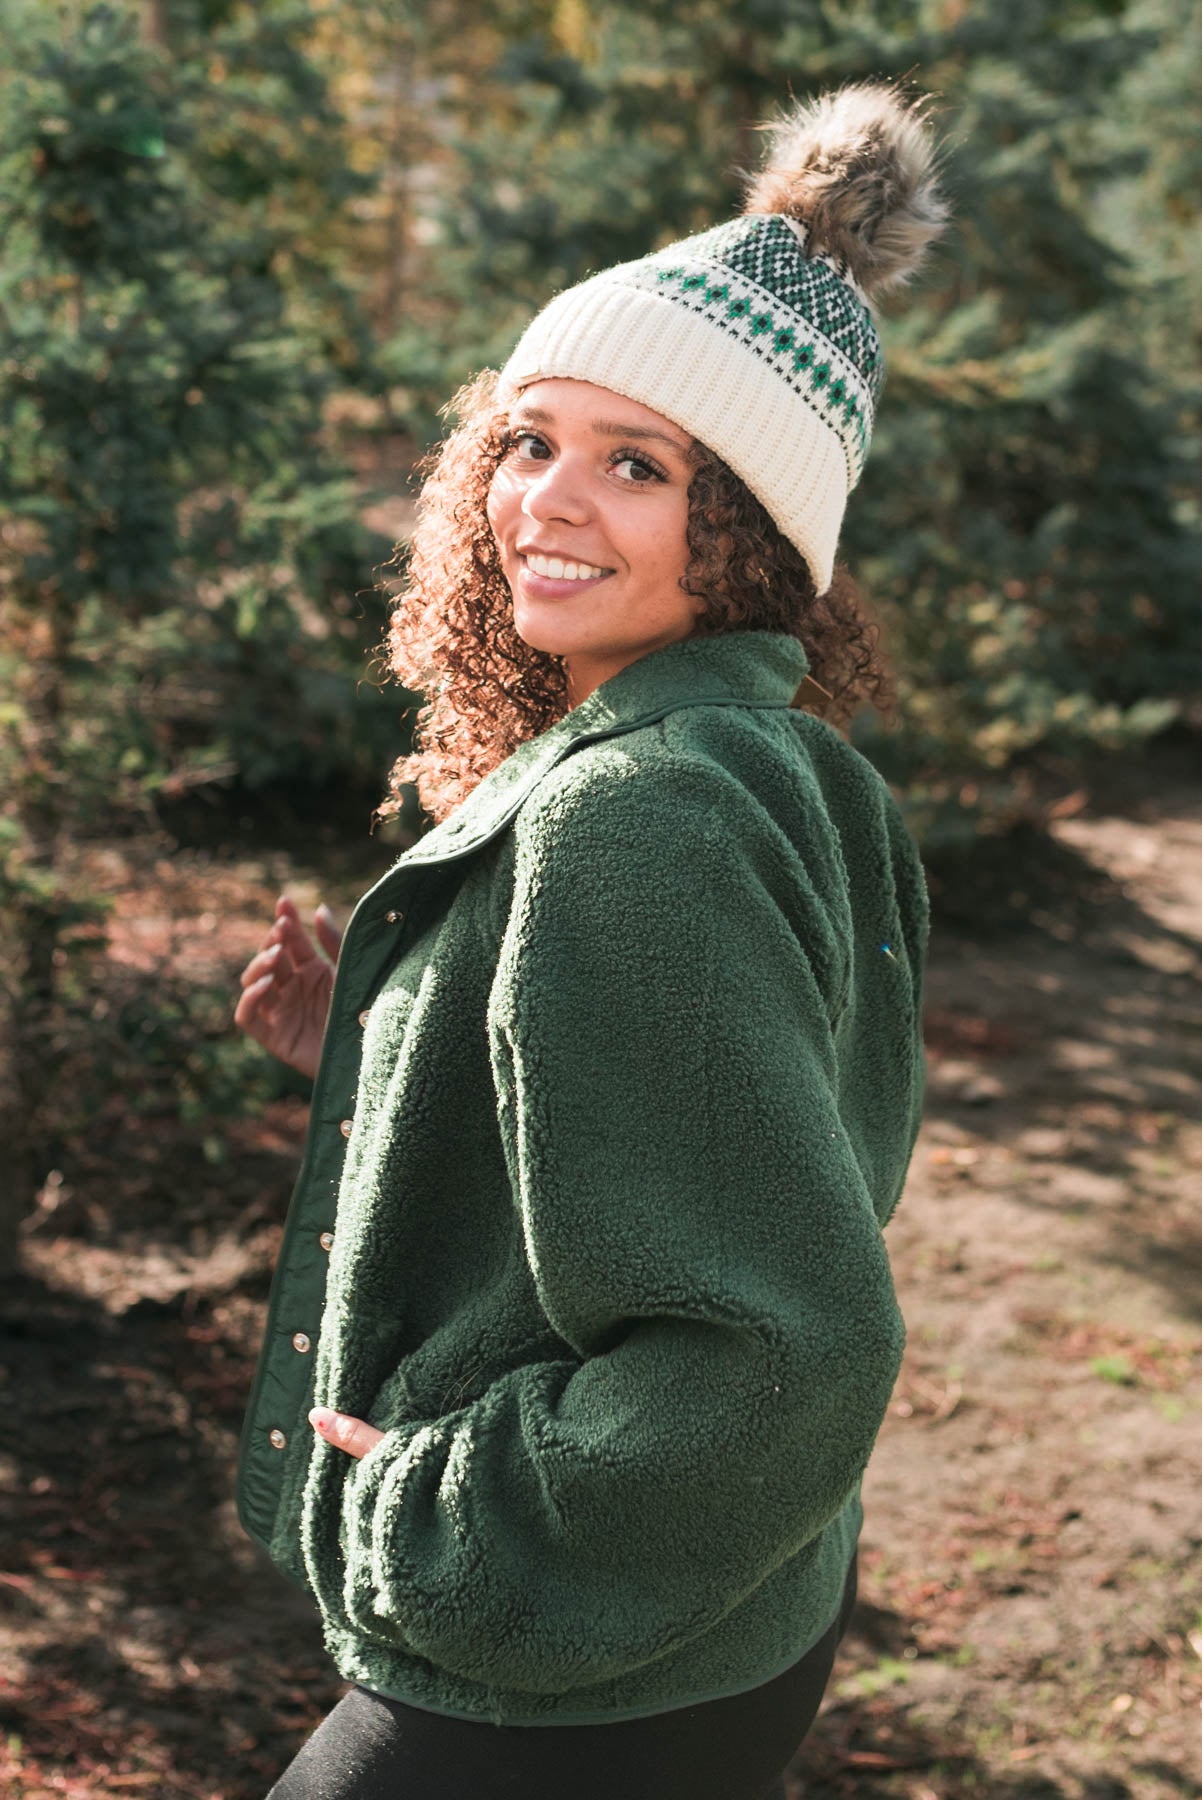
622	1075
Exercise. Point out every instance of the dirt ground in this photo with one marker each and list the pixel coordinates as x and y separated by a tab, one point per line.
1030	1621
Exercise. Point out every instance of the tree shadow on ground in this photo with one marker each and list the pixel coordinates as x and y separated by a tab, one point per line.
1059	1004
872	1750
145	1633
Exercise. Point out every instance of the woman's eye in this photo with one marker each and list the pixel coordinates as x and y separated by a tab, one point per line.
518	438
646	474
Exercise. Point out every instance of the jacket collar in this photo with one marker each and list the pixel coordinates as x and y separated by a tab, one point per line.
734	668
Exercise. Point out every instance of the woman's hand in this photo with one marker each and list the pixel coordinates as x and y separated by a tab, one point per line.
355	1436
286	987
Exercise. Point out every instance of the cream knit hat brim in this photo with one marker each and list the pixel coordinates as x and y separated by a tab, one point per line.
640	344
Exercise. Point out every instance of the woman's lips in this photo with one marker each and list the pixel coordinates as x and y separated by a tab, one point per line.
549	587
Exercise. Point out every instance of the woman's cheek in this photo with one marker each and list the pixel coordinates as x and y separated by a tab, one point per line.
502	495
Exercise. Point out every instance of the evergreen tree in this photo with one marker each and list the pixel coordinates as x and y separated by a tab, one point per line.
1021	516
1021	528
1153	213
177	528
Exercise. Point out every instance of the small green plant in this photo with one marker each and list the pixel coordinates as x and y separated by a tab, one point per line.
864	1683
1117	1369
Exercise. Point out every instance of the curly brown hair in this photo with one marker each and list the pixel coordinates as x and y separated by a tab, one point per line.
451	635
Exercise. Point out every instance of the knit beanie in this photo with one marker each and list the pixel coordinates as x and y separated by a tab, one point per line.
757	337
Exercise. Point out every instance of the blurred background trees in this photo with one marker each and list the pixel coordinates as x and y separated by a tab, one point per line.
251	249
1027	526
181	547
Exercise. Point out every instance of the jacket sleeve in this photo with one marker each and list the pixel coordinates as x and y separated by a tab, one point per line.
700	1236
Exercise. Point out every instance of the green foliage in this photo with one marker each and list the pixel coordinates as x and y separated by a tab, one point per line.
886	1673
166	347
180	1056
1037	562
182	567
1153	213
1116	1369
1027	527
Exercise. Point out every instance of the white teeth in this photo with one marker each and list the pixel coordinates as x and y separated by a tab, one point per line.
559	570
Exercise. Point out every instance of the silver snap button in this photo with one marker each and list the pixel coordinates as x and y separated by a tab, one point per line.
326	1240
364	1015
345	1127
277	1439
393	918
301	1340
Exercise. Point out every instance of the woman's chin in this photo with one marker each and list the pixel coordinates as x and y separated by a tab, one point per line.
544	633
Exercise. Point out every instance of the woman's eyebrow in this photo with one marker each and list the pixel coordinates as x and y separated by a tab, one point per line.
608	428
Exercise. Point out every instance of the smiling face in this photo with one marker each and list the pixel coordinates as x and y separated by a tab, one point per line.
589	507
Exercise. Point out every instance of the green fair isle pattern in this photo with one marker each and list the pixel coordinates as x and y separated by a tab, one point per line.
752	278
766	250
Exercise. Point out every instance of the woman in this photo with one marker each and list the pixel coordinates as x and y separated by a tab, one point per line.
583	1326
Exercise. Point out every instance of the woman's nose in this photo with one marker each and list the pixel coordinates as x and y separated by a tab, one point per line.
558	493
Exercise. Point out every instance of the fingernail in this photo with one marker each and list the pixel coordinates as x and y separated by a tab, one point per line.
322	1417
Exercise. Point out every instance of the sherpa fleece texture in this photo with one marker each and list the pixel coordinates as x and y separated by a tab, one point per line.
636	1094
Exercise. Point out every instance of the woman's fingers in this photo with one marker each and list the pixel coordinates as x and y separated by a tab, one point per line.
287	929
355	1436
259	965
267	1010
328	934
274	960
253	1002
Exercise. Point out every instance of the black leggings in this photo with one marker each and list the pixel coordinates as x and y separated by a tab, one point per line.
373	1748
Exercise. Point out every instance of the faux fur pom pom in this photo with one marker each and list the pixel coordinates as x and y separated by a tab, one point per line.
857	168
